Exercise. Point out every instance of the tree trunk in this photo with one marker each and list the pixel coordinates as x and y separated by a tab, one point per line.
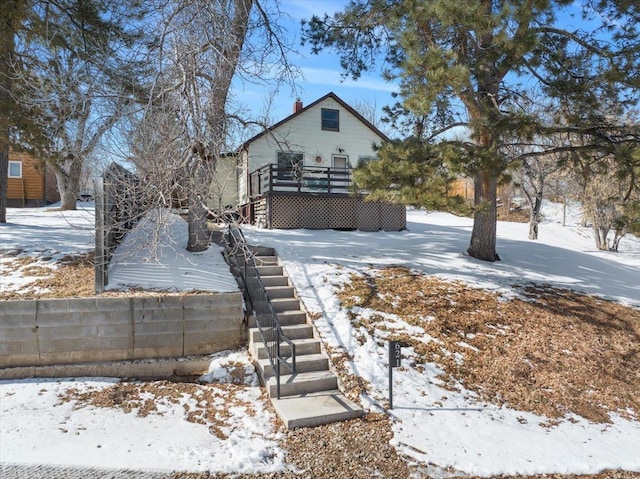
198	197
4	169
615	244
534	216
68	188
601	221
203	173
68	181
533	229
68	200
483	236
600	234
199	236
11	13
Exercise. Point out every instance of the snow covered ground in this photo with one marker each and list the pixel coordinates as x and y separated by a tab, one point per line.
153	257
447	428
431	425
38	427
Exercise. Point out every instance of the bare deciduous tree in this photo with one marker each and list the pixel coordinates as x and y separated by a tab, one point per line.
75	111
532	179
72	80
203	47
610	200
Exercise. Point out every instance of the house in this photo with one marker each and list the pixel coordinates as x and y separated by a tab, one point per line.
464	188
297	173
30	182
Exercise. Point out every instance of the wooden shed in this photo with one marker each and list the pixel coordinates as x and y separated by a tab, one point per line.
30	182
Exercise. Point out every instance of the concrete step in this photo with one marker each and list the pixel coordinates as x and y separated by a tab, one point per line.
275	281
274	292
270	270
262	250
302	383
310	397
292	316
303	346
315	409
285	318
304	364
280	305
294	331
265	260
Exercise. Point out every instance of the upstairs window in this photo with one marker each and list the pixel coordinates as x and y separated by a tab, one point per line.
330	119
15	169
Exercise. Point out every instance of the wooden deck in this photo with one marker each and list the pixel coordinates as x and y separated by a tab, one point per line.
316	198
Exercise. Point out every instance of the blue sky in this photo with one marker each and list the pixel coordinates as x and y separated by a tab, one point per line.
321	73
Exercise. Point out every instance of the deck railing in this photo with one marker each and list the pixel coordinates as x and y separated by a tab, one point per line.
307	179
266	318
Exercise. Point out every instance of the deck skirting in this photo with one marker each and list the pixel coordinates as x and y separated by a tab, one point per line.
344	212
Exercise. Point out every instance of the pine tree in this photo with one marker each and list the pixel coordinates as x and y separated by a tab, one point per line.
13	12
472	61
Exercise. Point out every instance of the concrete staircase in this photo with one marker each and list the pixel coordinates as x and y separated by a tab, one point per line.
311	396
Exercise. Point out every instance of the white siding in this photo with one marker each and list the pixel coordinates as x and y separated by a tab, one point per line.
243	177
224	188
304	134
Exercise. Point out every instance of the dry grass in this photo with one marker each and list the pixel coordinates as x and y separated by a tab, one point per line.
557	352
210	406
73	276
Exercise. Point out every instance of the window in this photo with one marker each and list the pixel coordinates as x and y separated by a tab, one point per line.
15	169
330	119
363	160
340	162
289	164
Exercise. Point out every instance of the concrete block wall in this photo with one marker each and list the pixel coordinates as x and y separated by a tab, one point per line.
79	330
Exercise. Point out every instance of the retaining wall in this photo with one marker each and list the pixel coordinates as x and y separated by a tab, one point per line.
79	330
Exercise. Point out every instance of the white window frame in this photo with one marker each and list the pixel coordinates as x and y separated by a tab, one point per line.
13	163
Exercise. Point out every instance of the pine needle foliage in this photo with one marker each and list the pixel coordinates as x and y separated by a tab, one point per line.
411	172
477	62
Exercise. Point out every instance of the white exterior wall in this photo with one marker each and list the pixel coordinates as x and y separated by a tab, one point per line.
304	134
224	188
243	177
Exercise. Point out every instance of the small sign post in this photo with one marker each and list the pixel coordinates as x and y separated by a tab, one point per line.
395	355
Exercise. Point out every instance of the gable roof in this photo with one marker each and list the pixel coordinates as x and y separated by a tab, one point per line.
291	117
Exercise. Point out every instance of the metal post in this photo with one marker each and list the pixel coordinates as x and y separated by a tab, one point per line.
277	364
390	387
395	356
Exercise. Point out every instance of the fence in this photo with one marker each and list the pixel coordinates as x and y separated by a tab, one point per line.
118	208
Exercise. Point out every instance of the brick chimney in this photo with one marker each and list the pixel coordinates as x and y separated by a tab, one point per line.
297	106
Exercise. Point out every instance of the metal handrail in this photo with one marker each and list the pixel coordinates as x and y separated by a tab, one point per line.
266	317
